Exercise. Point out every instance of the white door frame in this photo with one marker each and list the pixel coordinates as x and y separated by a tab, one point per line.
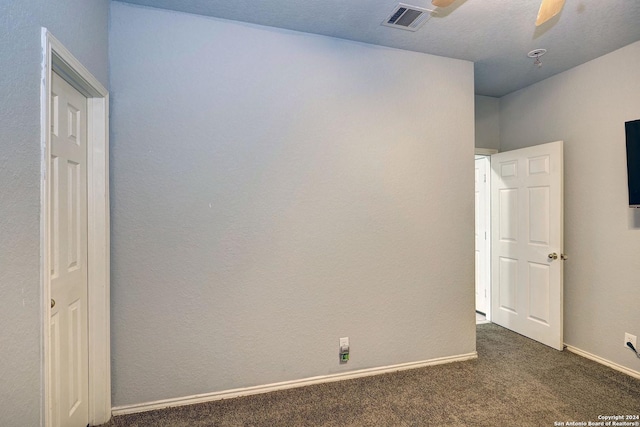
485	151
488	152
485	274
56	57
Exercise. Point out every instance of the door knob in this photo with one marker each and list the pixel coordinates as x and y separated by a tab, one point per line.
53	303
564	257
553	256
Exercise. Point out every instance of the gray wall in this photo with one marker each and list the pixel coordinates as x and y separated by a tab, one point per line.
587	107
273	191
82	27
487	110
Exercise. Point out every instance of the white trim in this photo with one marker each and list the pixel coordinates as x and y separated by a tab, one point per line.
488	241
56	57
602	361
247	391
487	213
485	151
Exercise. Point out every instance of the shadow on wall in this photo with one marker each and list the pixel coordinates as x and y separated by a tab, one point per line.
634	219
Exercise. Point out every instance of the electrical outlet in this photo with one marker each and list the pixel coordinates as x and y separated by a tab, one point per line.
630	338
344	350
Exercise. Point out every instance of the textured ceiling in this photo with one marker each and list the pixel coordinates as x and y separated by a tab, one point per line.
495	34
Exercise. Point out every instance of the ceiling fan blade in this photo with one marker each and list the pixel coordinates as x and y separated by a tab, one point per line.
548	9
442	3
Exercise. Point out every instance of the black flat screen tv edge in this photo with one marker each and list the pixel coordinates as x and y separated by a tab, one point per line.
632	130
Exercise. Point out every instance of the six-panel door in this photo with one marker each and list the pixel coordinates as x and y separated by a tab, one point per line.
68	256
526	199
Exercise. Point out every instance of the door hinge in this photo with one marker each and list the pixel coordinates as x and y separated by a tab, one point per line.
485	235
485	177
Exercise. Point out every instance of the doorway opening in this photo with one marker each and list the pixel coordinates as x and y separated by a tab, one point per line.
482	237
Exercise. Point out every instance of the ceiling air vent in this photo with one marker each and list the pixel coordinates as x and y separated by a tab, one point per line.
408	17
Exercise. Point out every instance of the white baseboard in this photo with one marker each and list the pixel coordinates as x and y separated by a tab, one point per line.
247	391
605	362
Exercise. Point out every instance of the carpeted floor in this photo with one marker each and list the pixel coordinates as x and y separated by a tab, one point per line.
514	382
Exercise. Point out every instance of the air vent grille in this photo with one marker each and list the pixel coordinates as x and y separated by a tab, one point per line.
408	17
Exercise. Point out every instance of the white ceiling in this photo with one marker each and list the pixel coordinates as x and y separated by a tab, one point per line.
495	34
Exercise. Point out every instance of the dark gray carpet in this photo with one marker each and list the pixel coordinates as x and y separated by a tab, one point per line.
514	382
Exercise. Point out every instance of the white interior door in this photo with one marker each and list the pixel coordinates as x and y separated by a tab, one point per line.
482	204
68	255
527	242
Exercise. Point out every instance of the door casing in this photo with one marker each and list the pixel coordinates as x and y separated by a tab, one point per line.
487	152
56	57
483	223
